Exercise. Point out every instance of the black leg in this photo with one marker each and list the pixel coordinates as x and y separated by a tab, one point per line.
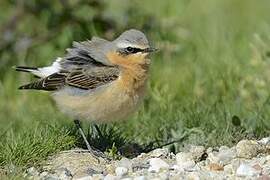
79	127
95	153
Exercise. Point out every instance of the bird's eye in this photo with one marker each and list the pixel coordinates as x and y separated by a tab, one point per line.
130	49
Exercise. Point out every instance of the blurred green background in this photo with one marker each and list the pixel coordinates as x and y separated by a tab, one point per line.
209	82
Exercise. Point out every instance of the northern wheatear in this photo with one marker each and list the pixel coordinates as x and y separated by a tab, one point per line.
97	80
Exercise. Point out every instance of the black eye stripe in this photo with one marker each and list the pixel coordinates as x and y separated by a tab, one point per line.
133	50
130	50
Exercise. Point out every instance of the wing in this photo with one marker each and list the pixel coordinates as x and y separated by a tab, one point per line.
85	66
85	78
91	53
50	83
92	78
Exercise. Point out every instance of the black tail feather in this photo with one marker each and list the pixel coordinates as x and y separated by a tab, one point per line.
25	69
33	85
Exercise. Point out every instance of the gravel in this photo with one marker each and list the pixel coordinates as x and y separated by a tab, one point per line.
248	159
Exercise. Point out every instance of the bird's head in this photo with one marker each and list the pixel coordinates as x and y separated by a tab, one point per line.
131	48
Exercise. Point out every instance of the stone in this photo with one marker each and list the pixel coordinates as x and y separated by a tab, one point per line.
266	170
257	167
267	158
139	178
223	157
247	149
235	163
247	160
209	150
193	176
183	157
197	152
91	171
157	164
121	171
185	160
110	177
264	177
223	148
43	174
159	152
228	169
177	168
51	177
63	174
85	178
164	175
97	177
32	171
264	141
125	162
213	157
189	165
79	163
247	170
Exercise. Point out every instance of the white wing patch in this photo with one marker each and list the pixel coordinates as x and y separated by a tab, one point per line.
49	70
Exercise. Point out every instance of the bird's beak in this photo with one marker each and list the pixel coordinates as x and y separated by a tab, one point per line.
150	50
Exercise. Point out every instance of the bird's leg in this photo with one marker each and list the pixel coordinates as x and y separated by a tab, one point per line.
79	127
91	150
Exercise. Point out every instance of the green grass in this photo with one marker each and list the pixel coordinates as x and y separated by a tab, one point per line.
213	66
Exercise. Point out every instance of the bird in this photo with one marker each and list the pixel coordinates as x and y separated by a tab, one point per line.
97	80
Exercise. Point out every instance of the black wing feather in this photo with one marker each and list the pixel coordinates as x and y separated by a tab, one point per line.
50	83
82	78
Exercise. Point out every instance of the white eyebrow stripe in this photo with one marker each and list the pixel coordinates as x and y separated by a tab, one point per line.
126	44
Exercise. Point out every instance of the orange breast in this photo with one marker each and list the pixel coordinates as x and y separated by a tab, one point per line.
134	69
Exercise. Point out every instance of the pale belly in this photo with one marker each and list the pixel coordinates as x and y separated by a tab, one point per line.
108	103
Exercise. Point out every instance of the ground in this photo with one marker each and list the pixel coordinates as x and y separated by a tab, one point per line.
249	159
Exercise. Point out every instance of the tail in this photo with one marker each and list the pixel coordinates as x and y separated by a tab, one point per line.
32	70
42	74
26	69
43	71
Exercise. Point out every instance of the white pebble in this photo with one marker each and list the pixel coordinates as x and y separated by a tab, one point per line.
110	177
185	161
177	168
159	152
229	169
64	174
140	178
156	164
126	178
97	176
223	157
43	174
264	141
125	162
85	178
183	157
246	170
121	171
32	171
193	176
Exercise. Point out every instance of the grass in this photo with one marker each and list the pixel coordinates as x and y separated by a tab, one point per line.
209	84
